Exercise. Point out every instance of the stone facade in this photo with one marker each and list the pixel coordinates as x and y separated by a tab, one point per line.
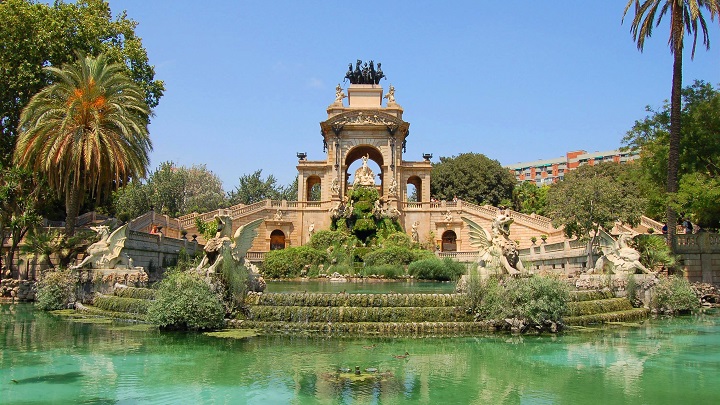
367	128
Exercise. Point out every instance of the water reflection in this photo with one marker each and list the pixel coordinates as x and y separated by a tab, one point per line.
663	361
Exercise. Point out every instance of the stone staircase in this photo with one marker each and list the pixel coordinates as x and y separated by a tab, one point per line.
369	314
126	303
597	307
363	314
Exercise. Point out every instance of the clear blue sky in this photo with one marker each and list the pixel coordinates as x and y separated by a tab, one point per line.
248	82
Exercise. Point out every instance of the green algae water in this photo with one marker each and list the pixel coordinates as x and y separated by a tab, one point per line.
49	359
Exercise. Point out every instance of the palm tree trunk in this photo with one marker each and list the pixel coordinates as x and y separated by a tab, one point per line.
72	209
674	144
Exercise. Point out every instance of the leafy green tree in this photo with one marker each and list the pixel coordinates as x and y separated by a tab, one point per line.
699	170
594	197
529	198
86	132
685	16
36	34
166	188
471	177
203	190
173	190
254	188
21	198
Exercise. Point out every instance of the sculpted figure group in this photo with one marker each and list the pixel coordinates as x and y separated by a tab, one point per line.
364	74
497	251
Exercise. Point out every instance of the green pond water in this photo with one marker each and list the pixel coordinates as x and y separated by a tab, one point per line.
49	359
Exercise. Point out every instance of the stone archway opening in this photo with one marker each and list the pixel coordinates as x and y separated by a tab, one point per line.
313	187
449	241
354	160
277	240
414	183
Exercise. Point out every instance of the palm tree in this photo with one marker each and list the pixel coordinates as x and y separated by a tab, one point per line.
86	132
685	16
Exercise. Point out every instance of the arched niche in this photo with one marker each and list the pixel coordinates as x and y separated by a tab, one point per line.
357	153
449	241
277	240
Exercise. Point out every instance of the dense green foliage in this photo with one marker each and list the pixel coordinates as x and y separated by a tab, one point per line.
654	252
673	295
388	271
37	34
436	269
253	188
56	289
686	16
529	198
185	301
537	301
290	261
322	240
594	197
86	133
22	195
472	177
699	170
395	255
172	190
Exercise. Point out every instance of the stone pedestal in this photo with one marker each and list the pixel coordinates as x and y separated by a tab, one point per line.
365	96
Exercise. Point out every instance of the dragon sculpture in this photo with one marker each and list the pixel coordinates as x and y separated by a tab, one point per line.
236	244
107	253
496	250
619	258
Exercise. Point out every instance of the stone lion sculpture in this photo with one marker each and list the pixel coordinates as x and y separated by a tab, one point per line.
236	245
496	250
107	253
619	258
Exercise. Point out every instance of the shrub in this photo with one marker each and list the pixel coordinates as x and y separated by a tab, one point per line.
289	261
654	252
184	301
674	294
537	299
56	289
398	239
322	240
436	269
486	298
394	255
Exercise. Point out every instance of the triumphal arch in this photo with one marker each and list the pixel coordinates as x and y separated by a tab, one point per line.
364	123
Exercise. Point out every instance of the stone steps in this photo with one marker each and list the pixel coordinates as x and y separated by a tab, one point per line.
358	300
370	328
310	314
629	315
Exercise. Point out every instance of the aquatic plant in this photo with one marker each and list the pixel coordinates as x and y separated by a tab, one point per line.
56	289
674	295
289	261
185	301
121	304
133	292
436	269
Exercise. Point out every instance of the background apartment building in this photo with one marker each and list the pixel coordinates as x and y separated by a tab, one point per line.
549	171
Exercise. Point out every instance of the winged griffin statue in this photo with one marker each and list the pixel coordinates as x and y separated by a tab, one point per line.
107	253
619	258
496	250
236	244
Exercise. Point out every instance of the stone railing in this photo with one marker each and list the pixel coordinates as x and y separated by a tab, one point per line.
484	210
465	257
651	224
255	256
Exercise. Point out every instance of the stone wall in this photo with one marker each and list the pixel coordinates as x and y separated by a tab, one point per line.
699	256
